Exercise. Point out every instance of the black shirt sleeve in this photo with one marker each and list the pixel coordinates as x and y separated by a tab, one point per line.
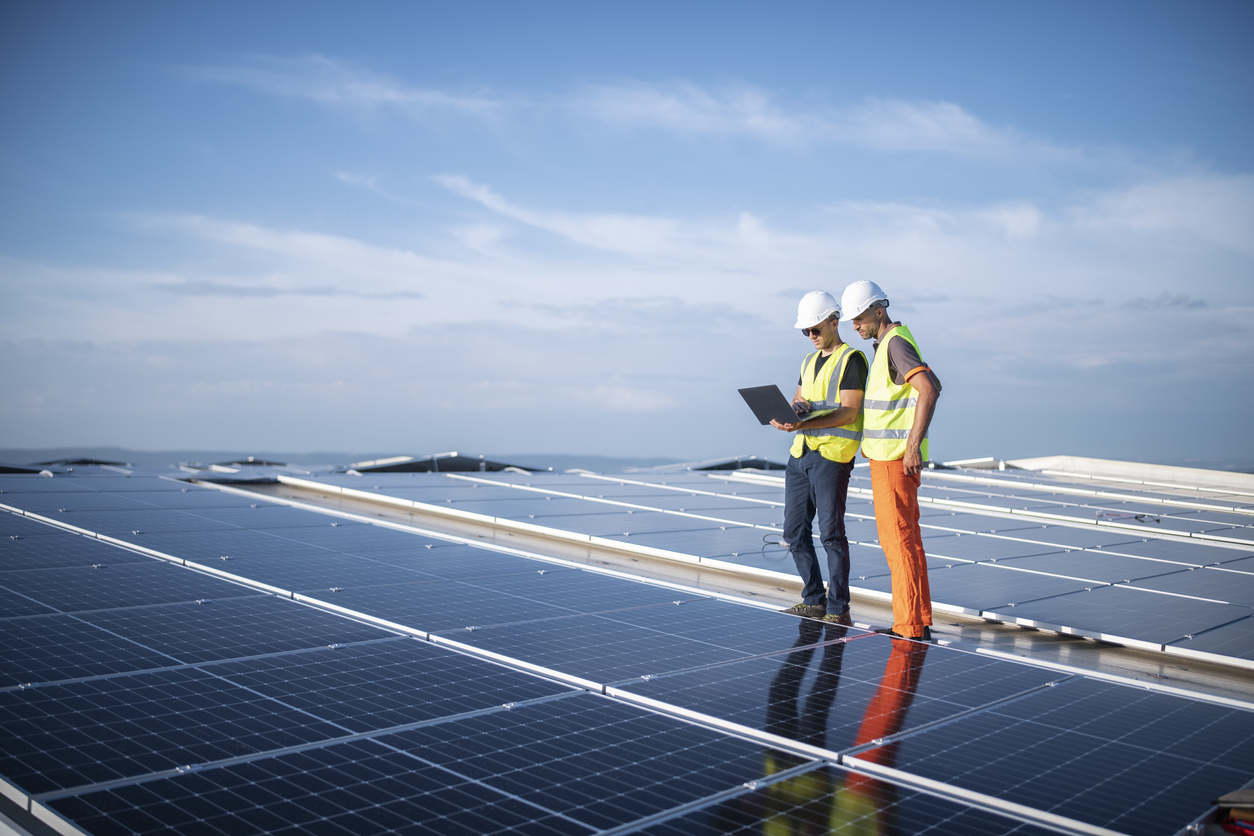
855	372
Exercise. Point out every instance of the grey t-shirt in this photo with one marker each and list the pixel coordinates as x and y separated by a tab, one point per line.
903	359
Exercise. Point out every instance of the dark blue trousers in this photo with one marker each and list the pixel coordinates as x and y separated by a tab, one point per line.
814	486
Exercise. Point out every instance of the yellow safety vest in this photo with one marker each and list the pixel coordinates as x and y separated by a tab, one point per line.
840	444
889	408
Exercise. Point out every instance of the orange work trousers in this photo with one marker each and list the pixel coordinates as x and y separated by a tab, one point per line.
897	521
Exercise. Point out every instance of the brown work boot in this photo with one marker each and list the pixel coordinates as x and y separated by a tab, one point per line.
843	619
807	610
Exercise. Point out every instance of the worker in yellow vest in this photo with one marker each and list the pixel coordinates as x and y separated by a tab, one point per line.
901	393
829	394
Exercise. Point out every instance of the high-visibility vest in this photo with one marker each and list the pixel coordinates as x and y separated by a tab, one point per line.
888	407
840	444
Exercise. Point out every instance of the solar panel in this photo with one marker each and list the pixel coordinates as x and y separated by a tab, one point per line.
118	585
85	733
643	642
1235	639
46	504
54	647
304	572
211	545
226	629
378	685
1216	584
10	485
1077	748
13	526
443	605
1096	567
258	713
1079	556
830	799
454	561
64	550
844	694
1123	612
977	587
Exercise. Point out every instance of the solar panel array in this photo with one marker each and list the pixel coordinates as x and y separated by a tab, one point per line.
181	659
1164	570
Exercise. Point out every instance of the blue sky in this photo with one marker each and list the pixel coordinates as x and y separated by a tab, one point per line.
562	227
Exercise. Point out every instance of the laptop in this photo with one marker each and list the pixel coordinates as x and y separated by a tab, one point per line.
768	402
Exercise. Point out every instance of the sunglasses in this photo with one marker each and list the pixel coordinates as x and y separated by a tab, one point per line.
817	329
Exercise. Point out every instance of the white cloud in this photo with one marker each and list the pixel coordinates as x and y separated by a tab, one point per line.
341	84
634	234
681	107
743	110
687	108
1210	209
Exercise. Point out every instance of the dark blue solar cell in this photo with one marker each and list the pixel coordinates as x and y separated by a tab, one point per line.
983	547
647	641
15	526
230	628
1235	639
14	603
13	485
713	542
977	587
55	647
452	561
348	538
1095	566
1214	583
303	572
445	605
602	763
1182	551
1077	748
111	584
146	520
834	800
191	497
63	736
1122	612
211	545
66	550
126	484
382	684
361	788
266	515
52	504
1068	537
845	694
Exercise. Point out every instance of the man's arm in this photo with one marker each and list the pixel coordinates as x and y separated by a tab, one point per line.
926	393
850	407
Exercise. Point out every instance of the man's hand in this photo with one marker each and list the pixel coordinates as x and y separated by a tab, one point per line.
912	462
801	406
788	428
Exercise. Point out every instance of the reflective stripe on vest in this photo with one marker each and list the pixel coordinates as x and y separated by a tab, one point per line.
839	444
889	407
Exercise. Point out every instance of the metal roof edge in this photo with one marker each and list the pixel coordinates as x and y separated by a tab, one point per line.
1139	472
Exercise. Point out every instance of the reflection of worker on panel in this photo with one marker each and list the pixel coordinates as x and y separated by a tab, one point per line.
814	803
885	715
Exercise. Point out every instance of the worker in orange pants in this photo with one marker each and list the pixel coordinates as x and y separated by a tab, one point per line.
901	394
896	497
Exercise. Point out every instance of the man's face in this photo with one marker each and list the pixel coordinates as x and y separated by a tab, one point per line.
867	323
823	334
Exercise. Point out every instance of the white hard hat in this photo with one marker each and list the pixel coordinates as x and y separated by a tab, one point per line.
859	296
816	306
